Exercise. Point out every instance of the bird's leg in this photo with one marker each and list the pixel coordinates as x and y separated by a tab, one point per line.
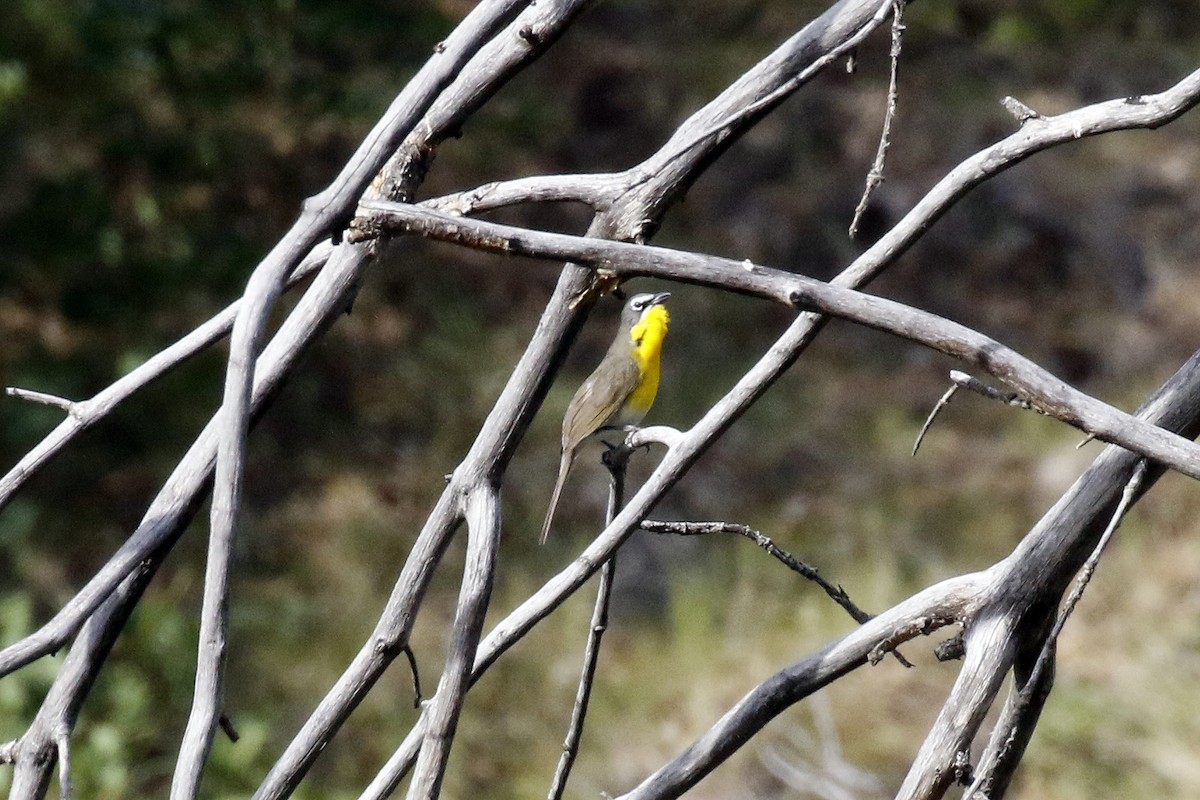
617	453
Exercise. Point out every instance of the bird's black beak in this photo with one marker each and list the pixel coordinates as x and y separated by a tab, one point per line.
659	298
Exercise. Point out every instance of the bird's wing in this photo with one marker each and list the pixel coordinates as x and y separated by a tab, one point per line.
598	400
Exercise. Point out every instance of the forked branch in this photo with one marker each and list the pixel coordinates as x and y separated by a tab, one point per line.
996	606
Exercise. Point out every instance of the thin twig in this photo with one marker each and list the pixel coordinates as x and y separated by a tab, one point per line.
42	398
809	572
962	380
875	176
992	393
835	592
599	624
86	413
416	676
937	409
1088	569
1022	112
227	727
9	750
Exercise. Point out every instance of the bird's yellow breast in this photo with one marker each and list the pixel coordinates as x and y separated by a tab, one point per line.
647	337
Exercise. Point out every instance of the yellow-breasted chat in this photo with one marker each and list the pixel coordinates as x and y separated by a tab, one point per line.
621	389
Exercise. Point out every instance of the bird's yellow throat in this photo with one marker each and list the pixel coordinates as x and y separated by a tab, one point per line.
647	338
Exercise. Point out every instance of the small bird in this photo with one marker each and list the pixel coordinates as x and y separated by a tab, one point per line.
621	389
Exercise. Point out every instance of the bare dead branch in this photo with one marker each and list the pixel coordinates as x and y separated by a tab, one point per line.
629	205
1051	542
1126	113
1046	393
1011	734
1019	721
498	59
164	521
942	402
708	132
1022	112
64	766
942	604
597	191
875	175
929	777
596	629
416	676
175	504
321	217
677	459
990	392
389	634
483	528
42	398
961	379
807	571
944	757
1061	540
86	413
1132	490
628	217
1032	571
649	189
43	742
801	336
483	75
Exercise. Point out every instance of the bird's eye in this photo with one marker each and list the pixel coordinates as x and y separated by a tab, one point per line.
638	305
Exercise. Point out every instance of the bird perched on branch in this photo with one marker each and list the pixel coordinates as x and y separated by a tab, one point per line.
621	389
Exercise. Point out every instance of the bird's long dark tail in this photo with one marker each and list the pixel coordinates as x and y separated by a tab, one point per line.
564	466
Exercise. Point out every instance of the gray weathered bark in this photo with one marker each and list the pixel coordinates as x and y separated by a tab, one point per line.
1006	611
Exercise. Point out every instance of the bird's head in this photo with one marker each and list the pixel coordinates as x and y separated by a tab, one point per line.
640	305
646	313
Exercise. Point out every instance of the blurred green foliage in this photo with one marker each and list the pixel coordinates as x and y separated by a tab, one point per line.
154	151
